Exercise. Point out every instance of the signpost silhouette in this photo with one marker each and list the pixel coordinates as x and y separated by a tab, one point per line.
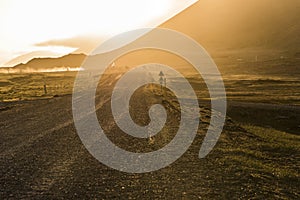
162	80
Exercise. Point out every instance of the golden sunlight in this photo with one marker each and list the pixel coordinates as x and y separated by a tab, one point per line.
24	24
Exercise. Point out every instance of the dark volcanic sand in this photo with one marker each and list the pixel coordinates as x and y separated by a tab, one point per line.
42	157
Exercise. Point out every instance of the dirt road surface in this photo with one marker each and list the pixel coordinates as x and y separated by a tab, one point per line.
42	157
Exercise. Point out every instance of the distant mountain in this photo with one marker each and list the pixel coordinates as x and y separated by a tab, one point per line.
238	24
257	29
28	56
68	61
243	37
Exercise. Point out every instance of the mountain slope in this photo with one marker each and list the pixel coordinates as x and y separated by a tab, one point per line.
263	28
227	24
67	61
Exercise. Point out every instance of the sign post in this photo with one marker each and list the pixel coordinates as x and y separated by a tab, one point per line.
162	79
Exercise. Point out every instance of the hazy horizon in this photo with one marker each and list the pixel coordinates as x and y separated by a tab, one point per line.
215	24
48	36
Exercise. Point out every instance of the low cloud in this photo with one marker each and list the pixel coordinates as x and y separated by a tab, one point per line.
84	44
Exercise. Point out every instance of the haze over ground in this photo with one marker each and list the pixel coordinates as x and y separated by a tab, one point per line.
255	46
62	27
229	26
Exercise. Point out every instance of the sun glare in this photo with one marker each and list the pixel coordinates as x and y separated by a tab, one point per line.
27	23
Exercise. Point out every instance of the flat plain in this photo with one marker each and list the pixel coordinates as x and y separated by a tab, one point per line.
256	157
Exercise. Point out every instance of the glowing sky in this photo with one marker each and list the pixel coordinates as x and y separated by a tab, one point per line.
45	26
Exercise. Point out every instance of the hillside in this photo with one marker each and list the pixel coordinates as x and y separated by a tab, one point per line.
229	30
236	24
67	61
258	37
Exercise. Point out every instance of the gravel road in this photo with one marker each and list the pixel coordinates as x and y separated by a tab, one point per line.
42	157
